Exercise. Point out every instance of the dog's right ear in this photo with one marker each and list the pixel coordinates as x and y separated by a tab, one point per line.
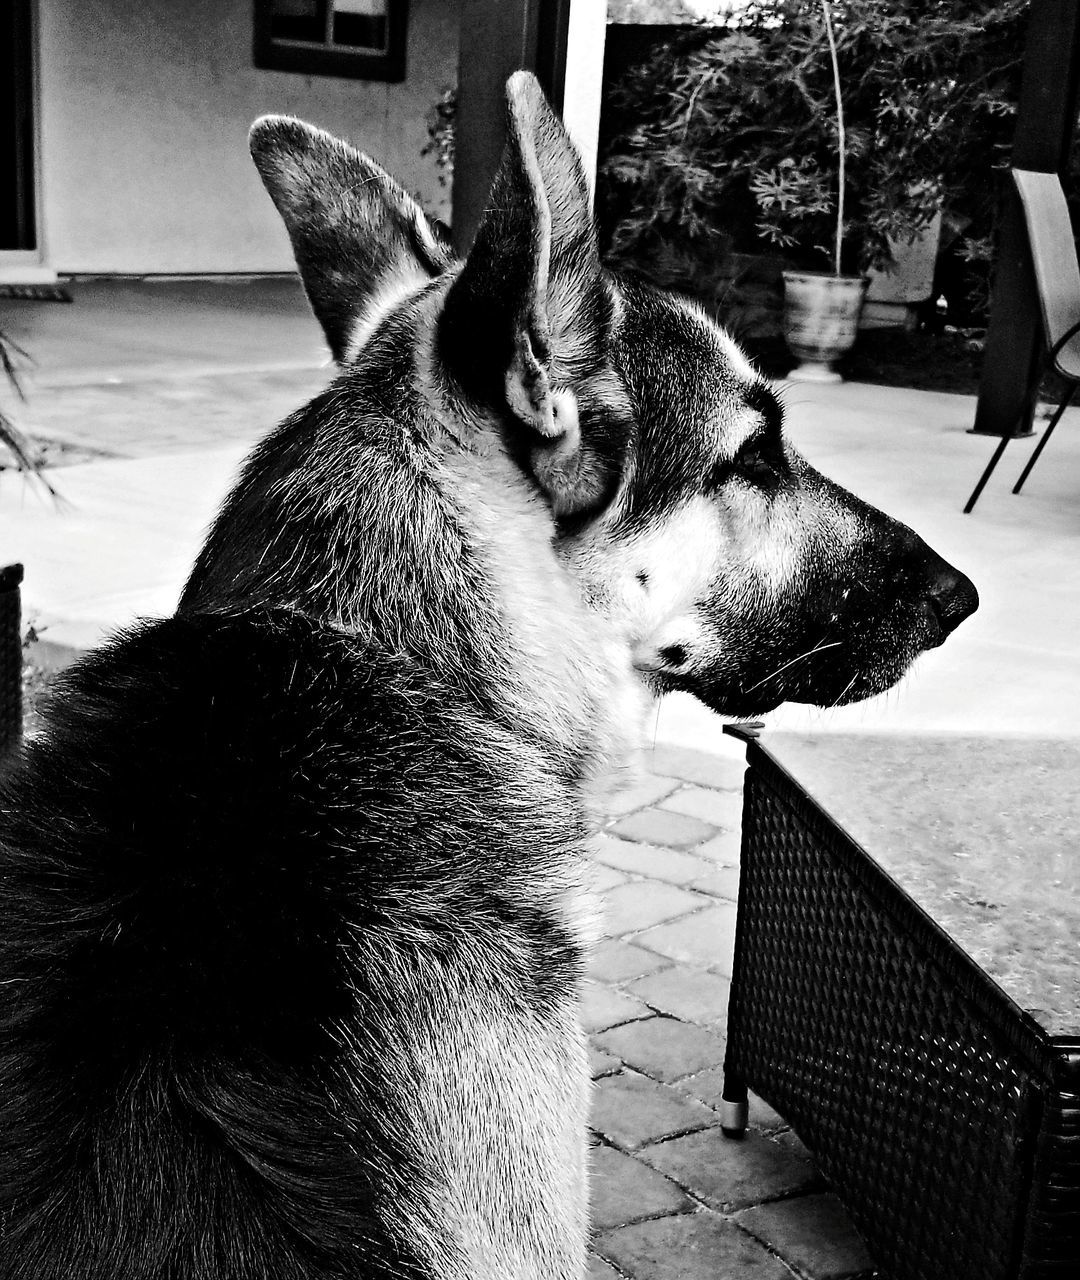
358	237
524	324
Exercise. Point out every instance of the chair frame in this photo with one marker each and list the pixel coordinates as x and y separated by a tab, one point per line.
943	1115
1050	308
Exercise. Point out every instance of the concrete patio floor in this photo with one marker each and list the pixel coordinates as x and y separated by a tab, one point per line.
156	392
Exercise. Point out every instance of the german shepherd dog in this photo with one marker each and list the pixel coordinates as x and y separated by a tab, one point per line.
295	883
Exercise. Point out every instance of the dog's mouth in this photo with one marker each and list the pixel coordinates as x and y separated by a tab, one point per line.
725	698
838	672
829	668
850	656
836	689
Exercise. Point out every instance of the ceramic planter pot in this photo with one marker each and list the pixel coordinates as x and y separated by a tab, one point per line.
821	319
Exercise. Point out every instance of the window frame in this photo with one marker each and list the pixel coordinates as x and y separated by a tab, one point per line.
327	60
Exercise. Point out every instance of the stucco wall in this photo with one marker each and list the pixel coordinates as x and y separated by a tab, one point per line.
144	114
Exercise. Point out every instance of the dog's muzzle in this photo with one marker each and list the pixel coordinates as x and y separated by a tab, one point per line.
852	631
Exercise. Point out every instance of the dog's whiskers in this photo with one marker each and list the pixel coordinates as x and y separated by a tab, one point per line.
820	648
843	692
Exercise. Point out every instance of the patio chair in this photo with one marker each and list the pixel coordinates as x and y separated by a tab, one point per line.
1057	278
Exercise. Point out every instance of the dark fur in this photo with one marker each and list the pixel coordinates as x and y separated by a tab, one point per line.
201	962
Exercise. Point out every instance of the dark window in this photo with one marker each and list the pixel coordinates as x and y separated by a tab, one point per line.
363	39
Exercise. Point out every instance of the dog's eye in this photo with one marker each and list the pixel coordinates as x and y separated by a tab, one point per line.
759	465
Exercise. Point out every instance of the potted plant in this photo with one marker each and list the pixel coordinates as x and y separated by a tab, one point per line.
729	141
821	309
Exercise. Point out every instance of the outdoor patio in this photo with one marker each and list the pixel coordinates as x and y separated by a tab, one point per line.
153	394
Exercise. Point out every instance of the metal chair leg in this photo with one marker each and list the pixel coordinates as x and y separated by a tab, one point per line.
1045	436
734	1107
1002	444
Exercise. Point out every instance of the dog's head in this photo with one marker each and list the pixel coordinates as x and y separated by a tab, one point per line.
730	567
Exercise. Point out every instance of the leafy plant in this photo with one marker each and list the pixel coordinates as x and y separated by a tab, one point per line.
11	438
732	139
440	130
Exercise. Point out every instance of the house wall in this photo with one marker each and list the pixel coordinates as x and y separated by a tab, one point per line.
144	115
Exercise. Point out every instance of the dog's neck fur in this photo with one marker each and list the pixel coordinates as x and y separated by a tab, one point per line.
406	473
565	675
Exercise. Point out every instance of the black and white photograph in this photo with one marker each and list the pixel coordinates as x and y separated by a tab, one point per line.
539	640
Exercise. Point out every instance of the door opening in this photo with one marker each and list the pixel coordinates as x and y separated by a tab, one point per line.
17	213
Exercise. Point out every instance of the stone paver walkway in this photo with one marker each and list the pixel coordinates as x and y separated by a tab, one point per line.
673	1199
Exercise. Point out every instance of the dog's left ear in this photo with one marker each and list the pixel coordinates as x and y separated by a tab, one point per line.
523	324
357	235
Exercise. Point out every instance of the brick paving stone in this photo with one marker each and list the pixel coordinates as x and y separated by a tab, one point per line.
601	1007
705	939
723	850
764	1118
655	861
793	1143
601	1270
602	877
708	1087
625	1190
645	791
720	882
813	1233
601	1063
663	1048
701	768
662	827
720	808
732	1173
616	961
629	908
630	1109
690	1246
690	994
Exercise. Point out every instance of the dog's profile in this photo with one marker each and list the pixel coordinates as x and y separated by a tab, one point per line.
294	900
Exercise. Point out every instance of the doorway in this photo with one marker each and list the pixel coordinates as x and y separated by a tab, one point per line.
18	229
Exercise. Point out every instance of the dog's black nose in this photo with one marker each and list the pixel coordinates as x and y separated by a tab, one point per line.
950	594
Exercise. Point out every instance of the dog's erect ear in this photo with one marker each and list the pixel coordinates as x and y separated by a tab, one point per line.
522	323
358	237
